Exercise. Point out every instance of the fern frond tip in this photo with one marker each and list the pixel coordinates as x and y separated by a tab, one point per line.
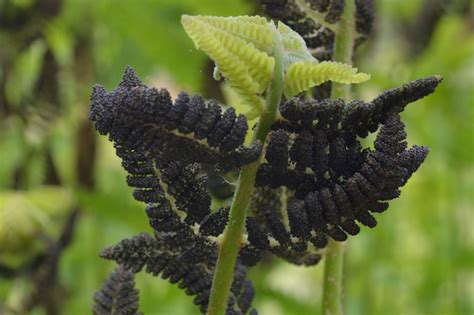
301	76
360	77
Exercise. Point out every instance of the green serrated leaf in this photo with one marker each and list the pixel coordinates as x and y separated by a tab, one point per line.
306	74
238	46
242	48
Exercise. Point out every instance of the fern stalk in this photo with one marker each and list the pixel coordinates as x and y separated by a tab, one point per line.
333	268
232	238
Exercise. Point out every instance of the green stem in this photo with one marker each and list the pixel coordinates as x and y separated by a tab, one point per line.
232	239
332	289
333	268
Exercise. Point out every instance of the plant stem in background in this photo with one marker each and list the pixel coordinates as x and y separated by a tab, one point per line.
230	245
333	268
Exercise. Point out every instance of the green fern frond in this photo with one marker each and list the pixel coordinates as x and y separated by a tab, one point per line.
303	75
242	49
229	42
252	29
294	46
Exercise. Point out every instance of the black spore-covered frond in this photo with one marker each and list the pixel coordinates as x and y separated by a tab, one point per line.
316	179
163	255
118	295
315	152
167	149
319	34
142	119
278	225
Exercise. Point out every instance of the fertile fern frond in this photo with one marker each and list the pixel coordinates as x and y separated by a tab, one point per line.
184	249
316	21
144	120
315	152
303	75
118	295
315	181
230	42
360	181
163	147
163	255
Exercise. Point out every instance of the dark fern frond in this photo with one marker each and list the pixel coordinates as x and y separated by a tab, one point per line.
319	33
215	223
315	179
357	116
315	182
277	226
315	152
365	15
187	185
134	253
184	249
142	119
118	295
314	34
163	148
163	255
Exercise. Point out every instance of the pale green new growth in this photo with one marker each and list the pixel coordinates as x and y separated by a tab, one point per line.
230	43
252	29
303	75
294	46
243	49
303	71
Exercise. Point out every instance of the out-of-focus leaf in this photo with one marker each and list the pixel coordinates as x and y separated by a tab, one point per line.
52	200
24	215
60	41
25	72
115	209
20	222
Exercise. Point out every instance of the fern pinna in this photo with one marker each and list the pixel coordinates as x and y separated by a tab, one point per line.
317	21
314	179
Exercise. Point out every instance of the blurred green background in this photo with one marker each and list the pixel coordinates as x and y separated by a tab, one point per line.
418	260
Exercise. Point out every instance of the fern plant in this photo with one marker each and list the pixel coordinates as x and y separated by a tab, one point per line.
244	49
305	181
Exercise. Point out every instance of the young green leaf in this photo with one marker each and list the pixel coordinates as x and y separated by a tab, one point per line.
303	75
242	48
238	46
294	46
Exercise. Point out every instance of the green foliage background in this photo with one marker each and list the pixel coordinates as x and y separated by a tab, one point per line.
418	260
